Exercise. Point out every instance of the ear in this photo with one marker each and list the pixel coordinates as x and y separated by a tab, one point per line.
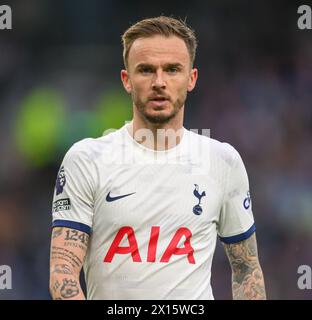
192	79
125	80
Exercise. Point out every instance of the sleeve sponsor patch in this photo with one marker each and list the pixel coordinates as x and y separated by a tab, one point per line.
61	204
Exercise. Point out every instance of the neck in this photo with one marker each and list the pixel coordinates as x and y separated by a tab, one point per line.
155	136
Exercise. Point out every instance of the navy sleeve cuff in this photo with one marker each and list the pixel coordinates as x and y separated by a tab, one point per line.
73	225
240	237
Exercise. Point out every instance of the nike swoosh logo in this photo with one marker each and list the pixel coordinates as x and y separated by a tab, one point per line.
110	199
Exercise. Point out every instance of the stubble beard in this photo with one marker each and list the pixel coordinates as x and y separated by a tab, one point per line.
159	119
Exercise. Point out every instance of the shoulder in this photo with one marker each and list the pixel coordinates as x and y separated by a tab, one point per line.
93	148
215	149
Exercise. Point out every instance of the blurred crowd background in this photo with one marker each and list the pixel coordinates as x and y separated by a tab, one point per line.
60	82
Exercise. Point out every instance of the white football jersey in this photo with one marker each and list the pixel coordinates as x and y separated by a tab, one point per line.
153	216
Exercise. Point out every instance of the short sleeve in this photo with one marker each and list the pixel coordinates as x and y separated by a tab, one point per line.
236	222
73	201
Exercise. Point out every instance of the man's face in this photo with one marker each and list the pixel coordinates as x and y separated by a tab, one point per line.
158	76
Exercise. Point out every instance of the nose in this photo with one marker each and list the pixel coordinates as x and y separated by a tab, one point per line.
159	81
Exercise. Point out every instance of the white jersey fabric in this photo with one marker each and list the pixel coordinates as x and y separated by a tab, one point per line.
153	216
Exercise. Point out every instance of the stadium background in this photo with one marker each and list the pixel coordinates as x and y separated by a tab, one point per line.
59	83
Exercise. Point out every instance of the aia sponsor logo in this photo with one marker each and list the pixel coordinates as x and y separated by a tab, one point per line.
133	248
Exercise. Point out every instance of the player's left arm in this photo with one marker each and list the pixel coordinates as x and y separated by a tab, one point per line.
247	276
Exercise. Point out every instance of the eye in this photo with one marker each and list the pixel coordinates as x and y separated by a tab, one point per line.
145	70
173	69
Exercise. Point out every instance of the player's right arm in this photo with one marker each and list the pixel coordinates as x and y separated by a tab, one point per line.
68	251
72	219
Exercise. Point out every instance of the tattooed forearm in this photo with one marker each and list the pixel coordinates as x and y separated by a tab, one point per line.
68	250
247	277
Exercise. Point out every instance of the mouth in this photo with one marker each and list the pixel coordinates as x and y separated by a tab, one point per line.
159	100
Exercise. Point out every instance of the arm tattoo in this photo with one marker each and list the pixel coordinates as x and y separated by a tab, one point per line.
72	238
62	269
56	286
75	235
59	253
247	277
69	288
57	232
